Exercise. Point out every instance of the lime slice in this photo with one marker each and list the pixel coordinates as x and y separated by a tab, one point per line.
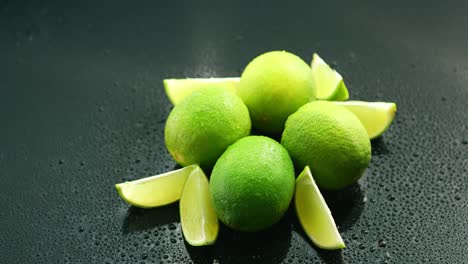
178	89
156	190
375	116
314	215
197	216
329	83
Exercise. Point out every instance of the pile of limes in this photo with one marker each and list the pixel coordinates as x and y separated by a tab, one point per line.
253	178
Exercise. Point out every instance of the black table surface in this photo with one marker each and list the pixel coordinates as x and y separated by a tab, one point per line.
82	107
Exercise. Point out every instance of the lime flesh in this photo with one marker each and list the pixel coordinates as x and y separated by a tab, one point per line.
329	83
178	89
314	215
375	116
198	219
156	190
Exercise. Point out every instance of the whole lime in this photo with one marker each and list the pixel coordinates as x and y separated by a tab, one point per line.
273	86
252	184
331	140
201	127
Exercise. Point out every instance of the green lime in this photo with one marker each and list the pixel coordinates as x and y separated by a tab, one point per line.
178	89
329	83
375	116
331	140
197	217
313	213
273	86
201	127
156	190
252	184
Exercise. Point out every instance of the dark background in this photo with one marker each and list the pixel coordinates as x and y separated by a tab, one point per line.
82	107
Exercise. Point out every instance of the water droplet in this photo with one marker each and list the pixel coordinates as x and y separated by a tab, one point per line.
171	227
382	243
390	197
173	240
457	197
81	229
144	256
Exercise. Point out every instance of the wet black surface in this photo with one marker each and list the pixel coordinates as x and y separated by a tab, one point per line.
82	107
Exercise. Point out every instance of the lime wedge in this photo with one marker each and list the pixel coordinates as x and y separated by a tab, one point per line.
375	116
329	83
314	215
156	190
197	216
178	89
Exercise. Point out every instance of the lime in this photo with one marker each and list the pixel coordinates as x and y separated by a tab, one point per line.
155	191
273	86
252	184
329	83
375	116
201	127
331	140
314	215
179	89
197	217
